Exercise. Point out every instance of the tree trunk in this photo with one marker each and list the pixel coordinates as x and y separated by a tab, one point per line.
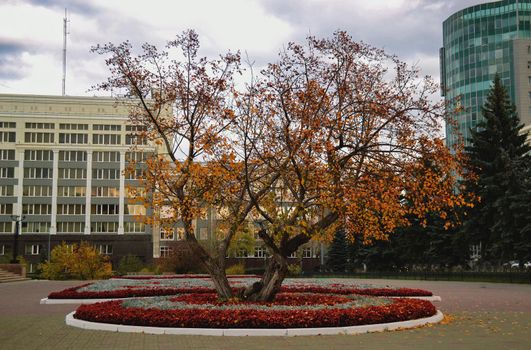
214	267
269	285
221	283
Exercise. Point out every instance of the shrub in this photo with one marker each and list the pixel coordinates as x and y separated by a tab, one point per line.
76	262
129	263
150	270
181	260
294	270
237	269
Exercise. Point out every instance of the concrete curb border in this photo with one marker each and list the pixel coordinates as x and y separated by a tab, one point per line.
71	321
93	301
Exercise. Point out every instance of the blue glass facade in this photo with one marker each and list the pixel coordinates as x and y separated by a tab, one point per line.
479	42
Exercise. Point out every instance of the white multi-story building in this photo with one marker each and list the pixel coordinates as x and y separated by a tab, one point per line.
62	162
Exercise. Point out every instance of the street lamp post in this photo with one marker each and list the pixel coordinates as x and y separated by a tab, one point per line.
49	239
17	219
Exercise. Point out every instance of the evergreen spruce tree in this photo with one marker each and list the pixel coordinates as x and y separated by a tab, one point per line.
500	158
338	253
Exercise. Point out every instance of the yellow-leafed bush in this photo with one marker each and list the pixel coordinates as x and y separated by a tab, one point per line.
238	269
74	261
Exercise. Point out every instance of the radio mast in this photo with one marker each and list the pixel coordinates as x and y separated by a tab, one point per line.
65	33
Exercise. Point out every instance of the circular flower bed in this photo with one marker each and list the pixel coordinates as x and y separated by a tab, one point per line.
128	288
290	310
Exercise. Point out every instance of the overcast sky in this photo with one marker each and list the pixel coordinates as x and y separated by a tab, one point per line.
31	32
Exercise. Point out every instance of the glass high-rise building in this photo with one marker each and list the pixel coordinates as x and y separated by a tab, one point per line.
478	42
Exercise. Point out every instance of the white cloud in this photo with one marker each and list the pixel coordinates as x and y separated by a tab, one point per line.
32	29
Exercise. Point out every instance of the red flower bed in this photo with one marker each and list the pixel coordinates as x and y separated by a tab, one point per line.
377	292
291	299
133	291
113	312
145	291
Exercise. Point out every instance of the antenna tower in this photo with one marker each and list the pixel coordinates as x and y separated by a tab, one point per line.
65	33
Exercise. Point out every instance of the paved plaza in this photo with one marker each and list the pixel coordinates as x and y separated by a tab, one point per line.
480	316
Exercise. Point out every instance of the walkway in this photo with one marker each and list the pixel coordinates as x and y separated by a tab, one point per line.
483	316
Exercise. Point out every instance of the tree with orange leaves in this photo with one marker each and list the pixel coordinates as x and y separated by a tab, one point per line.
327	137
184	107
346	128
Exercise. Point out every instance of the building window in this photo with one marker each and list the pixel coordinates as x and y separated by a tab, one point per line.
104	227
107	127
38	137
40	126
104	209
203	233
73	138
6	191
33	249
73	126
136	128
134	227
35	227
6	209
137	157
70	209
5	249
71	191
106	174
8	125
105	191
106	139
179	233
38	155
167	234
242	253
73	173
135	174
135	192
7	173
6	227
105	249
36	191
307	252
37	173
106	157
134	139
260	252
8	136
7	154
293	255
36	209
135	209
70	227
165	251
73	156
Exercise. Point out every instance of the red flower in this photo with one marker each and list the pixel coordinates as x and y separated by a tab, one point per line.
113	312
